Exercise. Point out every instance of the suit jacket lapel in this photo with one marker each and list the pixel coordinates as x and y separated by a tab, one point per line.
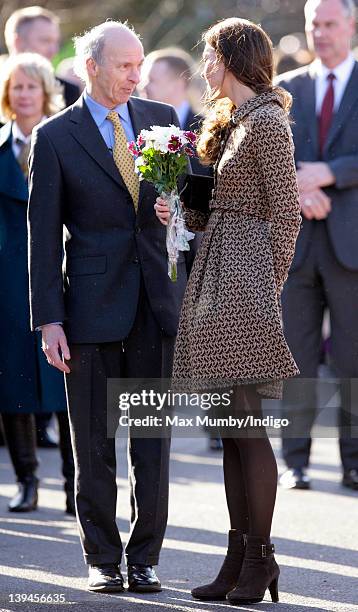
12	181
85	131
309	108
350	97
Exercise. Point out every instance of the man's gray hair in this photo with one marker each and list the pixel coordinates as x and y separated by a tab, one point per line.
91	45
349	6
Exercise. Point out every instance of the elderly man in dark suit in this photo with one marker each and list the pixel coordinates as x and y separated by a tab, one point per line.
324	273
119	308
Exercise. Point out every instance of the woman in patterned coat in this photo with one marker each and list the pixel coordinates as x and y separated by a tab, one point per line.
230	332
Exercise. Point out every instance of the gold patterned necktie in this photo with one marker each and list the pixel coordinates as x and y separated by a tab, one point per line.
123	159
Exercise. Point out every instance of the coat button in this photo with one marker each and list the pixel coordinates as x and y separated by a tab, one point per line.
135	260
138	230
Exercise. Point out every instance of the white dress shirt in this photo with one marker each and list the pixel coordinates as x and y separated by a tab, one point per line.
182	111
342	74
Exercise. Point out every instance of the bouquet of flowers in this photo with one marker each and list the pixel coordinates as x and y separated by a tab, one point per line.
160	158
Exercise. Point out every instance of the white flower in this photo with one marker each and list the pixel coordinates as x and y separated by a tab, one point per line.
158	137
140	161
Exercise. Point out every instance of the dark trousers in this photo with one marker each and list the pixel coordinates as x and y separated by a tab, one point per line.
145	353
320	283
20	435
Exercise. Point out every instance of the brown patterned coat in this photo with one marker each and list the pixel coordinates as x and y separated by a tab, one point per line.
230	327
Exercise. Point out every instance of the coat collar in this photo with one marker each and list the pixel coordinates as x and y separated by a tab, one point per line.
5	134
350	97
12	182
268	97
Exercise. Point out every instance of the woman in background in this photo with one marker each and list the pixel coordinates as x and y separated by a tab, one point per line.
230	333
28	385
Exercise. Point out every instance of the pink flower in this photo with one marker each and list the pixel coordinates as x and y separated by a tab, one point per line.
140	140
174	144
191	136
188	151
133	148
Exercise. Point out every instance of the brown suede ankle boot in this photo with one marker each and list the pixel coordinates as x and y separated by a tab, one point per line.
259	572
229	573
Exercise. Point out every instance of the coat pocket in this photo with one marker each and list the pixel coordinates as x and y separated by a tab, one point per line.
77	266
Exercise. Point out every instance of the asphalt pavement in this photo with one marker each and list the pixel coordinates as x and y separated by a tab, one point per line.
315	533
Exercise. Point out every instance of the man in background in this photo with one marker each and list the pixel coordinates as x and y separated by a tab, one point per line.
324	272
37	29
167	74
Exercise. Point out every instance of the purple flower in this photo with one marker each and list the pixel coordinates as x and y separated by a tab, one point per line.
188	151
191	136
174	144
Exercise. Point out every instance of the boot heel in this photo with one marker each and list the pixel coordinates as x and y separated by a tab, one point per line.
273	588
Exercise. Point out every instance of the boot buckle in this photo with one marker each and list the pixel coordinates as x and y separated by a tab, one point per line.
263	550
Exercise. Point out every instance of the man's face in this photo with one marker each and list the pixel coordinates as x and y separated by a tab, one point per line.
329	31
42	37
115	79
161	83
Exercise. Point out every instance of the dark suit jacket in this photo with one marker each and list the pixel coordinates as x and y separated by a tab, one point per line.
71	92
27	382
340	153
74	183
193	122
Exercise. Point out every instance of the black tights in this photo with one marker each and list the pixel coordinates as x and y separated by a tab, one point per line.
250	470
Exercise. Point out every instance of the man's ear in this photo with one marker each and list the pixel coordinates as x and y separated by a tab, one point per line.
18	43
92	67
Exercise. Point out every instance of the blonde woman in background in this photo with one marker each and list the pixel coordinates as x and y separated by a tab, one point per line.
28	94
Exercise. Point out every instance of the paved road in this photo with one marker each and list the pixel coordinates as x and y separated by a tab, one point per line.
315	533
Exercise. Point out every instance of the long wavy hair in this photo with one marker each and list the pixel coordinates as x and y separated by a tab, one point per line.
247	51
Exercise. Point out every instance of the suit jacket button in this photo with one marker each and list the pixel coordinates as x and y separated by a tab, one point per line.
135	260
138	230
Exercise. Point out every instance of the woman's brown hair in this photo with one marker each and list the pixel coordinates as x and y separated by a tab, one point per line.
246	50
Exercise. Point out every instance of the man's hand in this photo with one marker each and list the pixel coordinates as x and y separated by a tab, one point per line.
162	211
54	344
315	204
313	175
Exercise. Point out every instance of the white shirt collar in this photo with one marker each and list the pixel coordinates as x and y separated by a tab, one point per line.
18	135
342	72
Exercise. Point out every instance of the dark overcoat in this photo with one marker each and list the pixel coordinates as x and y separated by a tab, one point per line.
27	382
230	328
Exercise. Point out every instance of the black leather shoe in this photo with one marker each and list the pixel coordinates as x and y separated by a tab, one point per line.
350	479
45	439
25	499
295	478
105	578
143	579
